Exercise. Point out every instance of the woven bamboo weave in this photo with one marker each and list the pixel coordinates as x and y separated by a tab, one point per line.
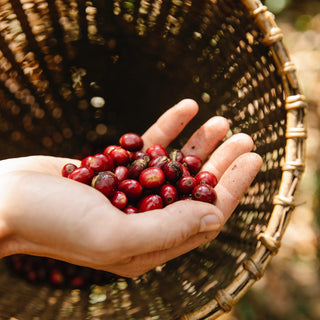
74	75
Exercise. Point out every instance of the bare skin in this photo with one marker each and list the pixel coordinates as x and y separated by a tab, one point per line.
44	214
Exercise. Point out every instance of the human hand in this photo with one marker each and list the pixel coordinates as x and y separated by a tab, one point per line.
42	213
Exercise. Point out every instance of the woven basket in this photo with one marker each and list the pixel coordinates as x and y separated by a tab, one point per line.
75	74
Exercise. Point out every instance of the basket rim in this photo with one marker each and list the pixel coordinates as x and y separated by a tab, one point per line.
269	241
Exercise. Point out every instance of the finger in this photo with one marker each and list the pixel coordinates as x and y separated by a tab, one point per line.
225	154
206	138
171	123
190	232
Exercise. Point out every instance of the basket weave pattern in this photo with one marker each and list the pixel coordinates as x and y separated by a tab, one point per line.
73	75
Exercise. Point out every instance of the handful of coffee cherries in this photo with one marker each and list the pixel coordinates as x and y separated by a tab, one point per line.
138	181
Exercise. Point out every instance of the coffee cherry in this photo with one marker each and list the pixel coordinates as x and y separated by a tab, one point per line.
156	150
120	156
185	171
130	209
109	148
101	162
193	163
150	202
159	162
204	192
132	188
121	173
67	169
206	177
131	141
168	193
140	155
119	200
105	182
82	174
136	168
151	178
86	162
172	171
176	155
186	184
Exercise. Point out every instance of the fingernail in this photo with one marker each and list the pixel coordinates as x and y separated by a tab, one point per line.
210	222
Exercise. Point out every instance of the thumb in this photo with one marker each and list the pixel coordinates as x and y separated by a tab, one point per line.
158	230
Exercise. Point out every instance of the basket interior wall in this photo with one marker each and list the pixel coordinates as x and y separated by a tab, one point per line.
75	75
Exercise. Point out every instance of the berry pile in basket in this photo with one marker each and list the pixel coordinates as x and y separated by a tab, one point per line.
136	181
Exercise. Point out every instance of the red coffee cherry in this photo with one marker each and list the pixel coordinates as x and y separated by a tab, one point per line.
67	169
121	173
120	156
130	209
150	202
119	200
82	174
132	188
105	182
168	193
205	193
186	184
101	162
156	150
206	177
140	155
85	162
131	141
193	163
151	178
109	148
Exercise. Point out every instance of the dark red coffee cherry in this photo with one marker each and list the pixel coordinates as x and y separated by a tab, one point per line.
151	178
105	182
140	155
119	200
131	141
121	172
156	150
56	277
172	171
205	193
82	174
120	156
150	202
206	177
159	162
130	209
131	187
136	167
193	163
176	155
67	169
186	184
101	162
168	193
